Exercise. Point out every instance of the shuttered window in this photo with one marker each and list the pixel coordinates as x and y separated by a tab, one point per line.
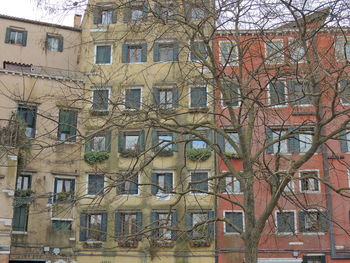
199	182
16	36
134	53
100	100
285	222
93	226
67	126
162	183
20	218
27	115
103	55
54	42
132	98
95	184
128	184
128	224
198	97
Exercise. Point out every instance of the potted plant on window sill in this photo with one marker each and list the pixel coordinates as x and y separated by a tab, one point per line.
165	243
165	152
95	157
64	196
200	243
23	193
231	155
129	153
198	155
128	243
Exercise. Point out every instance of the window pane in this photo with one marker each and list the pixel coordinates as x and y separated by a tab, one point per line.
198	97
128	224
198	177
275	51
133	98
200	231
61	225
277	93
131	142
135	54
282	145
236	219
285	222
228	52
197	13
52	43
98	144
228	147
103	54
305	142
164	222
299	93
106	17
166	52
100	99
95	184
165	141
166	98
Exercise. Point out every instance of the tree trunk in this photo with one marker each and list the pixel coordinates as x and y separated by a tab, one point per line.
251	249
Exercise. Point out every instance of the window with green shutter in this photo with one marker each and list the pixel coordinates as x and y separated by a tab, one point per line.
99	143
165	52
16	36
198	51
128	224
134	53
166	11
235	219
100	99
162	183
105	14
133	98
203	229
165	97
27	116
285	222
93	226
20	218
95	184
198	97
199	182
67	126
128	184
162	222
54	42
103	54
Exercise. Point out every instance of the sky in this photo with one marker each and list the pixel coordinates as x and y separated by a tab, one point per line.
29	9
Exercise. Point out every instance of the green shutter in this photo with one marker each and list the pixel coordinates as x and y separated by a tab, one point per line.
83	227
189	222
127	14
268	133
88	142
24	38
156	96
125	52
302	221
156	52
175	97
134	189
168	182
144	52
154	223
114	16
142	140
155	141
108	137
60	44
118	225
104	226
176	52
173	225
154	186
7	36
138	224
121	141
97	15
175	145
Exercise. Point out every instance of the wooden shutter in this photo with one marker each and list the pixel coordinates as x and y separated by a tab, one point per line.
121	141
156	96
142	140
138	224
104	219
175	146
156	52
189	223
175	97
154	186
154	224
108	138
144	52
221	142
155	141
118	225
24	38
7	36
176	52
168	182
83	227
173	225
211	215
97	15
60	43
114	15
125	53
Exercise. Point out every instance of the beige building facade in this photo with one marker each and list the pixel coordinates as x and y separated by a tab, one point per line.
40	160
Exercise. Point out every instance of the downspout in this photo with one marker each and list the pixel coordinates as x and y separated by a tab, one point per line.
216	253
329	204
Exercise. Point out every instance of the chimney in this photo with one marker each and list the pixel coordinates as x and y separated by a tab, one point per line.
77	20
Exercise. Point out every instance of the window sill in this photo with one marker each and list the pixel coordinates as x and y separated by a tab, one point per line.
128	243
313	233
231	233
99	112
92	244
102	64
200	243
163	243
198	110
19	232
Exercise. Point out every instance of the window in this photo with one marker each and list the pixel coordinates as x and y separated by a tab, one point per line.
100	99
23	182
228	52
232	185
61	225
198	51
67	125
199	182
133	98
296	141
203	229
103	55
128	224
166	11
314	259
93	227
99	143
197	10
54	42
309	182
165	51
225	145
162	183
128	184
274	51
20	218
105	15
95	184
162	221
299	93
136	12
345	141
312	221
296	50
285	222
235	218
27	115
344	91
230	94
64	189
198	97
165	97
16	36
277	93
131	141
342	48
134	53
163	141
197	143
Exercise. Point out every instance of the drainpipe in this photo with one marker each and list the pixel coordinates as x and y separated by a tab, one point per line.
329	204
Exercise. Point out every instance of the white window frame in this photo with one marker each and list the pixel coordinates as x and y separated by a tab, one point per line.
92	97
280	260
288	94
138	187
343	39
190	53
340	98
267	59
318	182
87	184
235	51
166	87
167	42
199	171
295	222
224	223
285	93
293	42
124	96
162	196
95	54
189	96
275	146
223	106
234	179
312	233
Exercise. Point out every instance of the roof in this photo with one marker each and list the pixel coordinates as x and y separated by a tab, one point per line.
24	20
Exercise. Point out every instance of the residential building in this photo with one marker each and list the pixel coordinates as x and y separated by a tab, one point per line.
39	135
